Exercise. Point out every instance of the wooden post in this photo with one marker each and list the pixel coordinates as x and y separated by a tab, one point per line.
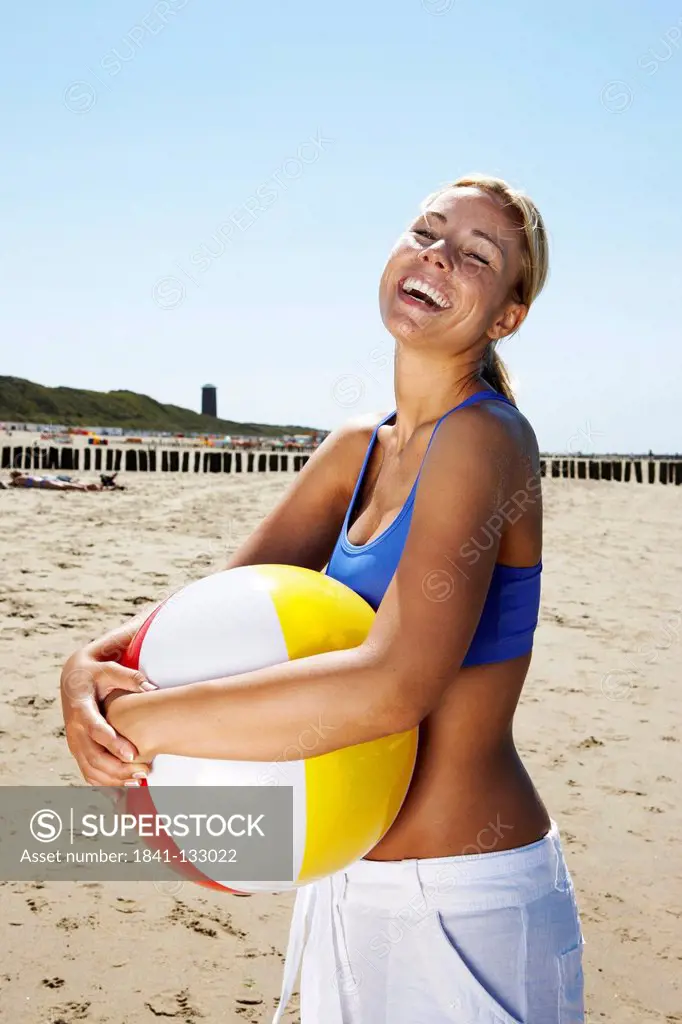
17	458
594	469
628	471
261	463
564	468
617	469
76	457
678	473
227	462
174	459
582	469
66	461
605	469
143	466
652	471
215	462
197	461
237	462
118	456
272	460
164	460
87	456
663	472
250	459
131	461
109	460
98	459
6	457
185	462
284	464
555	468
571	469
543	467
638	470
53	459
152	460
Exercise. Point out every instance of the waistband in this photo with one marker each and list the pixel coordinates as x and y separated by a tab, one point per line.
484	879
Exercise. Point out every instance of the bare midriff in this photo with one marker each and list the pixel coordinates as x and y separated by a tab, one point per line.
470	792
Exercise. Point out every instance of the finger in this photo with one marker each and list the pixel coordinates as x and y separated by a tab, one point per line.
104	734
85	724
113	676
98	763
94	777
102	761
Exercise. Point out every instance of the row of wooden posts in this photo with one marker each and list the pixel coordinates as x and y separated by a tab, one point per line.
148	460
151	460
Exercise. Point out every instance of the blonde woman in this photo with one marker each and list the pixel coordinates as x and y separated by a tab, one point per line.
465	910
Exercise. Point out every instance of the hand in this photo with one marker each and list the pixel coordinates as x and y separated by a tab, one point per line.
127	717
104	757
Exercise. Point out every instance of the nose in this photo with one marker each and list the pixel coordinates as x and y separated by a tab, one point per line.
436	255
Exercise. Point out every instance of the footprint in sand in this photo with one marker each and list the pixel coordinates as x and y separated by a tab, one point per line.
591	741
52	982
176	1005
202	922
67	1013
32	703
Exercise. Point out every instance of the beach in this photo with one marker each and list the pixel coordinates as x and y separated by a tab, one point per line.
598	728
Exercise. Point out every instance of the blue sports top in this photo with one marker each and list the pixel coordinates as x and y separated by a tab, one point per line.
510	613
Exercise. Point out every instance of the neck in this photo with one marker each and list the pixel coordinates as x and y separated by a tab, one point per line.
427	388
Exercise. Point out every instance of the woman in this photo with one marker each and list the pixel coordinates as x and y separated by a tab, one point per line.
50	483
465	910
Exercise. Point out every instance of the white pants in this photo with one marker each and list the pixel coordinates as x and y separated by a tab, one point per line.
491	938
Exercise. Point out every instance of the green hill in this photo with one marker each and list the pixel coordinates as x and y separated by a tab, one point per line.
22	401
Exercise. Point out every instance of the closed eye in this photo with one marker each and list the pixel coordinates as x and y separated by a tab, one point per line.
477	256
425	233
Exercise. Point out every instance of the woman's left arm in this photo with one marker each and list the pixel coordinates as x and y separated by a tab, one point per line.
416	645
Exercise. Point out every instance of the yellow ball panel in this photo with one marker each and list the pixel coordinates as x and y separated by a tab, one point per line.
316	612
353	796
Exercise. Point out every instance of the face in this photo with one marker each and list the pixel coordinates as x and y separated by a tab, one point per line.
450	276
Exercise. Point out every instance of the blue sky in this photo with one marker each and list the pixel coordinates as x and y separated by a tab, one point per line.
197	191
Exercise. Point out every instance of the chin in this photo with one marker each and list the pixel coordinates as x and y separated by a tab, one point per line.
403	325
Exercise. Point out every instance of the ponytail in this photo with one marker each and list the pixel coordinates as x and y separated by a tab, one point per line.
495	374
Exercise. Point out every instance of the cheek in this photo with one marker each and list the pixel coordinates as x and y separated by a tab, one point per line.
403	249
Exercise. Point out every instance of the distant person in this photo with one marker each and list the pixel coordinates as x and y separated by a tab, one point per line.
50	483
109	482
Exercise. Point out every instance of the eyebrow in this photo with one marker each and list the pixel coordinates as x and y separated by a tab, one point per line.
475	231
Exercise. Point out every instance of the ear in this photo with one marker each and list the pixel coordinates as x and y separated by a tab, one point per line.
511	318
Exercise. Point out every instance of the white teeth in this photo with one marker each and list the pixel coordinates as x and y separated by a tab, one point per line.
415	283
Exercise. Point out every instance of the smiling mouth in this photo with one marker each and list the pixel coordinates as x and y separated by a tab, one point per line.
421	293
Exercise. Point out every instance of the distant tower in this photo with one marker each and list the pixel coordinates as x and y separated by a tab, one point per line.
209	400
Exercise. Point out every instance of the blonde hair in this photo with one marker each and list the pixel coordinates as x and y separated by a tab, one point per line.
534	259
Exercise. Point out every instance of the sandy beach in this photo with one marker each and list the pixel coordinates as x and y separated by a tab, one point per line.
598	727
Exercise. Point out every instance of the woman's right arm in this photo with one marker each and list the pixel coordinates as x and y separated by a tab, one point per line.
300	530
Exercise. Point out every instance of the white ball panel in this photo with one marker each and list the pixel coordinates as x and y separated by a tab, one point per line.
217	626
172	770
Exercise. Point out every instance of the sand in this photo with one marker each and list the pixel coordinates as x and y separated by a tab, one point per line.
599	728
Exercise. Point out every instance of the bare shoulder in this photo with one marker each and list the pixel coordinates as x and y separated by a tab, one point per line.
491	437
340	455
354	434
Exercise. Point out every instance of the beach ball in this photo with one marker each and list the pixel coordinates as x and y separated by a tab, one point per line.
244	619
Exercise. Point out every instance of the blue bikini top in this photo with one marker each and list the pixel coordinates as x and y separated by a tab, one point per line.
510	614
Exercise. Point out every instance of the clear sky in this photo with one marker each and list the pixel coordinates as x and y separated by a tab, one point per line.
197	191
